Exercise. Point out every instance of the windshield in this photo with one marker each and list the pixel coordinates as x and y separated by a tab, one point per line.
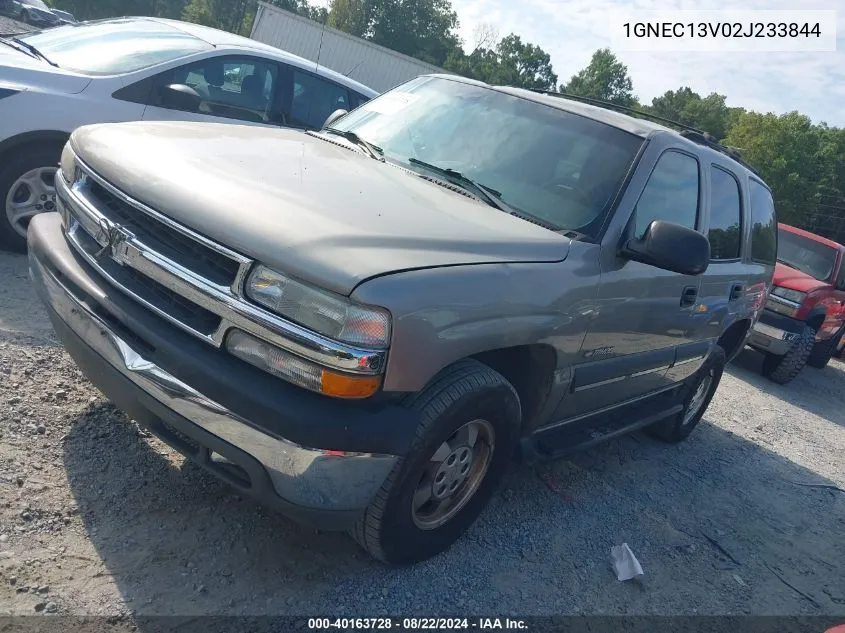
114	46
806	255
556	166
37	4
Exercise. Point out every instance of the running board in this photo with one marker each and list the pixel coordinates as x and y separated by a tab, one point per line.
585	433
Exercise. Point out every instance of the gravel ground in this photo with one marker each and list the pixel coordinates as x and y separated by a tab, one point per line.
98	518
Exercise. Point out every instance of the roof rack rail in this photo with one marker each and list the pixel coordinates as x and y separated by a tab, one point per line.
710	141
695	135
625	109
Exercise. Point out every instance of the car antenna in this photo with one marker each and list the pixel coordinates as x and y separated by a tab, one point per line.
322	33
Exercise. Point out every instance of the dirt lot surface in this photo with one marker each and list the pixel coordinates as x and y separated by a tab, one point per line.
96	517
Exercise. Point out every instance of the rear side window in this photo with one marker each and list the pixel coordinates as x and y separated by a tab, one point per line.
725	215
764	234
671	193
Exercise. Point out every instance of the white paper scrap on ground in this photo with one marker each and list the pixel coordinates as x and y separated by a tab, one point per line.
625	563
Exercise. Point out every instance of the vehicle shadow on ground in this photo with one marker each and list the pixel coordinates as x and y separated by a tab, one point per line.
820	391
715	518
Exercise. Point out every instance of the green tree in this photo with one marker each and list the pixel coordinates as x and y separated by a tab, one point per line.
227	15
425	29
97	9
604	78
789	152
524	65
511	63
351	16
685	106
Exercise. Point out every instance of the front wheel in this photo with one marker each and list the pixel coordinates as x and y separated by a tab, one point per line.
27	187
782	369
698	391
469	427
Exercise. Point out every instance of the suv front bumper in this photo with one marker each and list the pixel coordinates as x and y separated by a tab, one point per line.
325	488
774	333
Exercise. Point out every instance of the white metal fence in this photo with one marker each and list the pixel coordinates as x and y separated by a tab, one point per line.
375	66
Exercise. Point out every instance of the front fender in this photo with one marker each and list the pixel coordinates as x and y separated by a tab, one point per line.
441	315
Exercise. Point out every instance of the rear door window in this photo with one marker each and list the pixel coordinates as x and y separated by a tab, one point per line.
725	215
764	234
231	87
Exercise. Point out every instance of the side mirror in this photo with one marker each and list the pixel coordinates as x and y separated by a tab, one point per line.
671	247
334	116
179	97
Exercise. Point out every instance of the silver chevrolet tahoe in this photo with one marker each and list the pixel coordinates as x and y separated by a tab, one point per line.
363	326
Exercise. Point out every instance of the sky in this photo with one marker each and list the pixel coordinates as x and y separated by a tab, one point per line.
571	30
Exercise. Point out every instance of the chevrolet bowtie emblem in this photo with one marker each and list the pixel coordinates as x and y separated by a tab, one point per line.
115	235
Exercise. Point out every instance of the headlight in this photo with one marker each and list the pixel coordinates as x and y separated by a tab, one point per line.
297	370
68	164
329	314
789	295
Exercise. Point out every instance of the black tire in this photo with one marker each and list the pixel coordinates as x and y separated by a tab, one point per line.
13	167
678	427
782	369
466	391
823	351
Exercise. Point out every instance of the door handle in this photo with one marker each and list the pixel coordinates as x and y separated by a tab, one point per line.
736	291
689	296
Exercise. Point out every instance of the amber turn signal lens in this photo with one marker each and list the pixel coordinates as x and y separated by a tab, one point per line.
345	386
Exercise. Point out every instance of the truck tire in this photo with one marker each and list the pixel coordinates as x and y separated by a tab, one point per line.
468	432
27	186
823	351
782	369
697	393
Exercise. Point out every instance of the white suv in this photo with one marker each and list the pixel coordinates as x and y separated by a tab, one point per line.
127	69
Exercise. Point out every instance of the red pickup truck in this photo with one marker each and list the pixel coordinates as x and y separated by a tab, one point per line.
804	317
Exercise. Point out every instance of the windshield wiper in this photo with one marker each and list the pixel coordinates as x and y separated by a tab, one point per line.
372	150
31	49
488	194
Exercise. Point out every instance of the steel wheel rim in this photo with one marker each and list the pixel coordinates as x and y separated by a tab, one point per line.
698	397
453	474
32	193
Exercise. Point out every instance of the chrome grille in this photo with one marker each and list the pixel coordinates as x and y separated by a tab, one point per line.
149	290
178	247
182	276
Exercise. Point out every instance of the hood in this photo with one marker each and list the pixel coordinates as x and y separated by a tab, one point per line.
24	71
795	279
324	213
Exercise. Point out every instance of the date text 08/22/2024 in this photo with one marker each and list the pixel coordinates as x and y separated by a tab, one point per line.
415	624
